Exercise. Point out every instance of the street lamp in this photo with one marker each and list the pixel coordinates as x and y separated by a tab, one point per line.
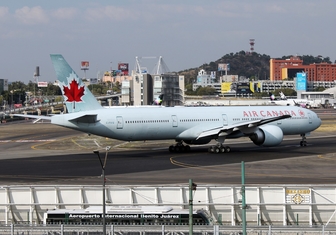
12	91
192	187
104	181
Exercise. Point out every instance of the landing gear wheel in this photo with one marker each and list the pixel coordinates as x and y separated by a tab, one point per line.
171	148
227	149
179	148
219	149
303	142
222	149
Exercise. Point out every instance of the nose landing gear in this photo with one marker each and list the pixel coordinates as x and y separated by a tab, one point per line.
303	142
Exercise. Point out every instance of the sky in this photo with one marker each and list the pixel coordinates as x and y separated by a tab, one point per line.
186	33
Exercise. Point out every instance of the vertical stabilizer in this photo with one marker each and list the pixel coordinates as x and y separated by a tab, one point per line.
76	95
282	95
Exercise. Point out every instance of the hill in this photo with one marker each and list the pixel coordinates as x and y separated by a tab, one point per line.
251	65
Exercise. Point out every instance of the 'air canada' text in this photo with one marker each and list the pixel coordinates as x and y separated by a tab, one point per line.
273	113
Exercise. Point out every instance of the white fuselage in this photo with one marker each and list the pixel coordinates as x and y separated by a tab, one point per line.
147	123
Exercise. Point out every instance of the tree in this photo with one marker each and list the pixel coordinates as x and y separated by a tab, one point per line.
189	87
1	102
259	95
53	89
319	89
17	86
117	87
206	91
31	87
16	93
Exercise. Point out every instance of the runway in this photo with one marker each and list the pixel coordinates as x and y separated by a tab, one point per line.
48	154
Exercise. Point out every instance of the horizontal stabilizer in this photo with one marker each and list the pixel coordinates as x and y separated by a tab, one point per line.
33	116
88	118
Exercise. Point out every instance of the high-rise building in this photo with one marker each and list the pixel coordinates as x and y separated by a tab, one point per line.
171	90
3	85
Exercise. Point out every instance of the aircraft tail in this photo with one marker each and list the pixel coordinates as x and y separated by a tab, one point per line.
298	104
282	95
77	96
272	97
158	101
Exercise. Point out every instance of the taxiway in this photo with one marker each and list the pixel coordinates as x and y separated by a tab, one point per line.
46	154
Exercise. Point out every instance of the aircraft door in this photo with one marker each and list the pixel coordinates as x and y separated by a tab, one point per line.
120	123
310	118
174	119
225	119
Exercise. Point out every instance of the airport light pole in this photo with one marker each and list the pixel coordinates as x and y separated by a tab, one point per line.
243	197
192	187
103	165
12	107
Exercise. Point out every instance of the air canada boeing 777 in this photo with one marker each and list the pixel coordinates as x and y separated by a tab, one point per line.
264	125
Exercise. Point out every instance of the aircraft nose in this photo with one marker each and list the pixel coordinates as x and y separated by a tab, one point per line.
316	120
319	120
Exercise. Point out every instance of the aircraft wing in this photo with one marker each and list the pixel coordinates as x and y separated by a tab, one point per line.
243	126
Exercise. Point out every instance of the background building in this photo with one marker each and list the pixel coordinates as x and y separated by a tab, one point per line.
143	88
283	69
171	90
287	69
283	74
3	85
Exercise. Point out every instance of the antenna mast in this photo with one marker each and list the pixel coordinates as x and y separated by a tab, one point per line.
252	46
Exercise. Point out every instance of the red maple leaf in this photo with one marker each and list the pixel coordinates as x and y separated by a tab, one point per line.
74	93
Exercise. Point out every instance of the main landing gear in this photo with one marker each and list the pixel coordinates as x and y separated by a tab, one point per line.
179	148
303	142
219	149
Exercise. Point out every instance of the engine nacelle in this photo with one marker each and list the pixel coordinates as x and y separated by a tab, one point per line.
267	136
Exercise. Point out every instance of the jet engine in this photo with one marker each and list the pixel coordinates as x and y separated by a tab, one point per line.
267	136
